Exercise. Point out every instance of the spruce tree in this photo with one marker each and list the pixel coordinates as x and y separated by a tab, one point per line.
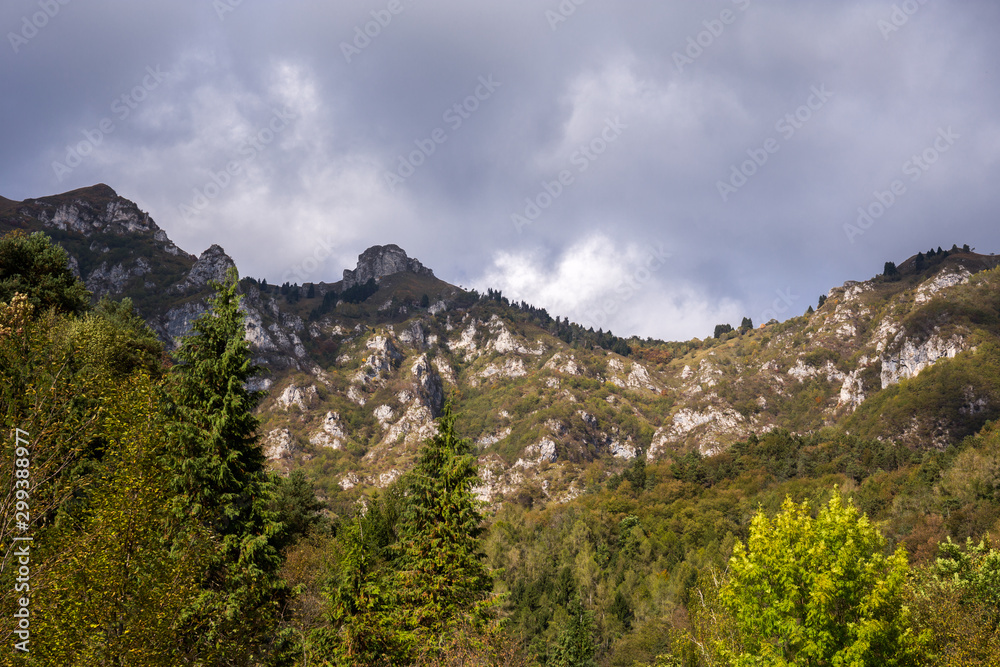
575	647
444	577
219	479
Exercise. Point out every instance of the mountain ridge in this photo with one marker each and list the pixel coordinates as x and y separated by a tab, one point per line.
357	370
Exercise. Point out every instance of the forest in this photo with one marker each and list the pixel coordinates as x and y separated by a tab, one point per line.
142	526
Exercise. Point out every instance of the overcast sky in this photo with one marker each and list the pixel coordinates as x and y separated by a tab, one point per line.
650	167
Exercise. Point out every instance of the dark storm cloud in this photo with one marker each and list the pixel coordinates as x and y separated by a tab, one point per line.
654	168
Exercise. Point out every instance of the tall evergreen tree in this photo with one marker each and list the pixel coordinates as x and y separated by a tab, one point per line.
444	576
220	482
575	647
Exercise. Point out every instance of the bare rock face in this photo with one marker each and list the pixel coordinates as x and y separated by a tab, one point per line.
211	265
428	385
278	444
298	396
382	260
911	358
331	432
112	280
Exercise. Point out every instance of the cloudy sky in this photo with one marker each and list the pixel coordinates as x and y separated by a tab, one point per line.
650	167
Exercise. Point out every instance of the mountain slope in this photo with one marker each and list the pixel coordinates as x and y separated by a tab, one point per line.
357	369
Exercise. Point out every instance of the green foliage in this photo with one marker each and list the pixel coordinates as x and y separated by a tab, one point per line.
974	570
721	330
33	266
444	574
575	647
219	480
294	504
360	293
807	591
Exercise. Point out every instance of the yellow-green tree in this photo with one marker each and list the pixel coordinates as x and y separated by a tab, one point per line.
818	591
110	592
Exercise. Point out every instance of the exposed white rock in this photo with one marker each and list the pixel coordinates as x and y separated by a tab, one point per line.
911	359
686	420
413	335
542	452
211	265
349	481
511	368
686	372
495	479
944	279
852	391
428	385
494	438
295	395
623	450
800	371
707	373
555	426
331	432
552	383
416	424
354	395
278	444
588	419
380	261
382	358
445	370
437	307
383	414
563	365
387	478
466	341
659	444
886	331
113	280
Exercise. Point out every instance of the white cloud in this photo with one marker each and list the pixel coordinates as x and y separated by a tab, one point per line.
626	288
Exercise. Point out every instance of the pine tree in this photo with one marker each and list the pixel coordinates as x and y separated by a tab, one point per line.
220	480
575	647
444	577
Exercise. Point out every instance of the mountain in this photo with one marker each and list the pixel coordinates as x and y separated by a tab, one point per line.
358	369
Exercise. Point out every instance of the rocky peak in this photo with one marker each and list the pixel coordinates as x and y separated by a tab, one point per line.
211	265
382	260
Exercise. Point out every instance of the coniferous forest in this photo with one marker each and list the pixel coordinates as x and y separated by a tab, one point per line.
142	526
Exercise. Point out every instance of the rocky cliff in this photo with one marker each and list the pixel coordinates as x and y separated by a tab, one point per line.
382	260
354	387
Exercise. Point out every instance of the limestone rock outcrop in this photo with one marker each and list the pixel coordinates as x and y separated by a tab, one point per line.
382	260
